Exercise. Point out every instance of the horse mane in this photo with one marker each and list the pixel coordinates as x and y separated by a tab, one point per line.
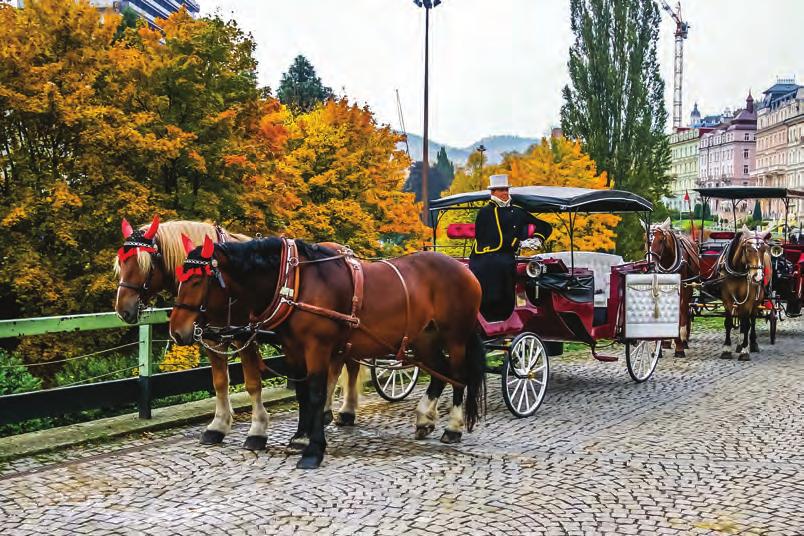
263	254
168	237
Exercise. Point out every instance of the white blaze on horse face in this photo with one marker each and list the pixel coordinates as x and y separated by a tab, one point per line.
455	423
426	411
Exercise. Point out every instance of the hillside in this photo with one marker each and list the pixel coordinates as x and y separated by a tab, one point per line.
495	147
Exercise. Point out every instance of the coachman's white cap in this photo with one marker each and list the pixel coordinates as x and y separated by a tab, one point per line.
498	181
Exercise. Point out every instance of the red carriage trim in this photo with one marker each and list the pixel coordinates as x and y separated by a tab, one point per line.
122	254
721	235
183	275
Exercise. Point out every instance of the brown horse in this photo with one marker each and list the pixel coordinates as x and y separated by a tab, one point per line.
744	269
146	265
674	253
314	301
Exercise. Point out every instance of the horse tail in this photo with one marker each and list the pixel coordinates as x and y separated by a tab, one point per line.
475	380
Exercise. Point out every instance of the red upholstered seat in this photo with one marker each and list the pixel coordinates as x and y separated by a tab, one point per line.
461	230
721	235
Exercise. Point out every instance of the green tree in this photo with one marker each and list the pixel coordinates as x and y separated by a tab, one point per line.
757	215
300	89
128	20
445	168
614	103
436	182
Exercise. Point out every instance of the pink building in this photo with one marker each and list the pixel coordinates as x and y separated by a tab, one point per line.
727	156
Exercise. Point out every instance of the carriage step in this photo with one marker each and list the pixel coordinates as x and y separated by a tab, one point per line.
606	358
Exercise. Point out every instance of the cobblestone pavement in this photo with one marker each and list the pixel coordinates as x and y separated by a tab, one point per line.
705	447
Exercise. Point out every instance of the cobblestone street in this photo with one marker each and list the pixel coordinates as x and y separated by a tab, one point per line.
706	446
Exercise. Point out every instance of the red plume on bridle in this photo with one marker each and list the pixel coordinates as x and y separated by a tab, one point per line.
208	249
127	229
188	244
151	232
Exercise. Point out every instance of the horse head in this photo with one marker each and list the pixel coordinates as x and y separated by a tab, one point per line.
662	244
202	286
751	254
138	264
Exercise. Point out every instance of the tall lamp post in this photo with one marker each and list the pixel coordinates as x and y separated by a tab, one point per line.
481	149
427	5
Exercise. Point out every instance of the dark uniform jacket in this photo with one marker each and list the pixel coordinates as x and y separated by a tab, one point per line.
498	231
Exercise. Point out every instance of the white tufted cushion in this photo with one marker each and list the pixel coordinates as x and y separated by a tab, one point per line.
599	263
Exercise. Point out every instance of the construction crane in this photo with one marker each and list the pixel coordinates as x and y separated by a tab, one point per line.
402	122
682	29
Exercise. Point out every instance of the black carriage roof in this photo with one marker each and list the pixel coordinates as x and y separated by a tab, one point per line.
555	199
749	192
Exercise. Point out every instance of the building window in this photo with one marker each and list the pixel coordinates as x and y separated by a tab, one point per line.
745	169
745	153
746	136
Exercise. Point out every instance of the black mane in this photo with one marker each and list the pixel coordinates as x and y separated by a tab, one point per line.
263	254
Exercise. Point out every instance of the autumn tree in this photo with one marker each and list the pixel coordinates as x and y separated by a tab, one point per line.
553	162
301	89
614	103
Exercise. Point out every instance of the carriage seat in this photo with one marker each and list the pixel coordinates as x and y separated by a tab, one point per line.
599	263
461	230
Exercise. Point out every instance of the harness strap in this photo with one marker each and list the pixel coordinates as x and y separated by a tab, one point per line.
287	288
402	347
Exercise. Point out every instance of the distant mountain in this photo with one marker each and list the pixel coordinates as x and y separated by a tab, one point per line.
495	147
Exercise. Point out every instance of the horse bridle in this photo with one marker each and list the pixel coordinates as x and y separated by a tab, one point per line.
139	244
657	257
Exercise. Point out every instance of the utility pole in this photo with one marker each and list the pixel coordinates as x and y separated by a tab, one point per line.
427	5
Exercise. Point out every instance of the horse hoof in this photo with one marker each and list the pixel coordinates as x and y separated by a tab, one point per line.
212	437
680	353
345	419
309	462
424	430
327	417
755	348
726	355
449	437
297	444
255	443
744	357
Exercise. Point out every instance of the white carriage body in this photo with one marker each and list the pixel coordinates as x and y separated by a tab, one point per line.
652	306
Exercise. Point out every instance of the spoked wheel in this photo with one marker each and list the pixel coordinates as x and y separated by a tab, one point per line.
393	380
524	375
641	358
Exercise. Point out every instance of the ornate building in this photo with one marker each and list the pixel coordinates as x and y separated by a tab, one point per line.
683	165
727	156
780	144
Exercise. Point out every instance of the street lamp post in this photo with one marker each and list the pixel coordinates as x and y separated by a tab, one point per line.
427	5
481	149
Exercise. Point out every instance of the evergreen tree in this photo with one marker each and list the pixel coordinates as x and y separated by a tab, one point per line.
300	88
757	216
436	183
615	101
445	168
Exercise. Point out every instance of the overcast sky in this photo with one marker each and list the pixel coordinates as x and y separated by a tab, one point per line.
498	66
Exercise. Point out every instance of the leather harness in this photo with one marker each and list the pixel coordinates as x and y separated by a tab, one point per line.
285	300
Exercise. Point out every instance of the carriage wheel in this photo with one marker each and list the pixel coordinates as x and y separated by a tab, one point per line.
393	380
773	319
524	375
641	358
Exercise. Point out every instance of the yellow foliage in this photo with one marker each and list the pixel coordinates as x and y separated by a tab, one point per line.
180	358
553	162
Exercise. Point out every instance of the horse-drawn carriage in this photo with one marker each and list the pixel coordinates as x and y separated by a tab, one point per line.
779	293
570	296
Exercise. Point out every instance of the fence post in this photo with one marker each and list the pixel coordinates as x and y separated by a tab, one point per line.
145	371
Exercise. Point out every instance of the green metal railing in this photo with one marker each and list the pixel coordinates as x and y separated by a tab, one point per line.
105	394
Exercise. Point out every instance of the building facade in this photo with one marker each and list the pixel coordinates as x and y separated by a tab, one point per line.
150	10
727	157
780	145
683	166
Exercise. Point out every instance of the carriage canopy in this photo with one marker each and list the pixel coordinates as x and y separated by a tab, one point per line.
546	199
749	192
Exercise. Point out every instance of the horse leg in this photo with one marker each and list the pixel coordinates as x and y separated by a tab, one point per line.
222	421
257	434
348	411
742	350
332	384
428	351
726	353
754	344
317	357
301	438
